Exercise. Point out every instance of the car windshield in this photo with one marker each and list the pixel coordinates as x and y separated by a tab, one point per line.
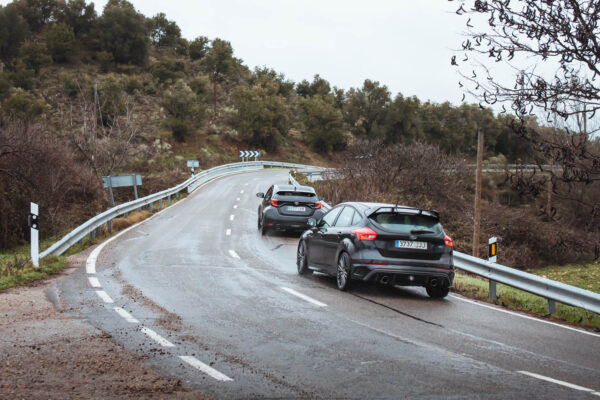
299	194
407	223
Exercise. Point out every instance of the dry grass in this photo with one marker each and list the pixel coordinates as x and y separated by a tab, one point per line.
133	218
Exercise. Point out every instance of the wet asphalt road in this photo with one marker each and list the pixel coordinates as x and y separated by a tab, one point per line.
219	292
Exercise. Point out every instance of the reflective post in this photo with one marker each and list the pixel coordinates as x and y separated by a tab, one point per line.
33	224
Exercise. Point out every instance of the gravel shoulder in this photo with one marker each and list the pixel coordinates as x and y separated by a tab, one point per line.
48	354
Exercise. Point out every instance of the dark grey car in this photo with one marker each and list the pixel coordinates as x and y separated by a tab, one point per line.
386	243
287	207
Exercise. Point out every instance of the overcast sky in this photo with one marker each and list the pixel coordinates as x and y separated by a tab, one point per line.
404	44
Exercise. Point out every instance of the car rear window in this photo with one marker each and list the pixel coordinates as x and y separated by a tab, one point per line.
300	194
406	222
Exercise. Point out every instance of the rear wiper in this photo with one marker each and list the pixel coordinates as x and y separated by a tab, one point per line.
419	231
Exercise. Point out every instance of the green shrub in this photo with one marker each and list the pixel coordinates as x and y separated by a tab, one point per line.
180	129
23	106
105	59
35	55
61	42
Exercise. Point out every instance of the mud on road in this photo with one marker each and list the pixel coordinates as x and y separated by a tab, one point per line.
47	354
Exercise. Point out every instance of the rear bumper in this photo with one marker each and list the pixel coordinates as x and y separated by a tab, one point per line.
404	275
274	220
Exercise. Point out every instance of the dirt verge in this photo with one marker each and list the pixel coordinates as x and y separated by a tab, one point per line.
47	354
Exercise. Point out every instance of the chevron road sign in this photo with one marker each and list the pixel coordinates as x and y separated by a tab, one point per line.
245	154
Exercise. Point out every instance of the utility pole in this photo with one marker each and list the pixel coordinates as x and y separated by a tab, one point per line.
95	121
215	94
478	176
549	200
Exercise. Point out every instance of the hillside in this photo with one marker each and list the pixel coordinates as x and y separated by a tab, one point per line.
86	93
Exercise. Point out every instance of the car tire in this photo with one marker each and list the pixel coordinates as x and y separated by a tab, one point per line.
301	260
261	226
438	292
343	274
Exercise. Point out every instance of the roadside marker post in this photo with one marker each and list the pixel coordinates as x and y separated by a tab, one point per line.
492	251
35	240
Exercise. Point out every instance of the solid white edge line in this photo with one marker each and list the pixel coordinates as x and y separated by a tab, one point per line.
304	297
94	282
156	337
231	217
199	365
128	317
524	316
104	296
562	383
233	254
228	232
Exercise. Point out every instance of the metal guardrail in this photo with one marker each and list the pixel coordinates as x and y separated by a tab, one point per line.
553	291
190	184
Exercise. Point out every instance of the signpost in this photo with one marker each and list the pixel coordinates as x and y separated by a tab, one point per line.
193	164
110	182
33	224
244	154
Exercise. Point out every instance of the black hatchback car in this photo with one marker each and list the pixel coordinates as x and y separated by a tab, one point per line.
385	243
288	207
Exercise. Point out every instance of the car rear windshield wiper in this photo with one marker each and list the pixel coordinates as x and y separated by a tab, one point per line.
419	231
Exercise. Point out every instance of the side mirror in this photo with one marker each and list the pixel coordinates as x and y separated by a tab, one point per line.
312	222
260	194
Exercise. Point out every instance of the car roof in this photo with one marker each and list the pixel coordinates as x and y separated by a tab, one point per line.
370	207
293	188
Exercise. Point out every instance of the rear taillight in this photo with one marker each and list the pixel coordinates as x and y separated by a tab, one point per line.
448	242
365	233
275	203
317	205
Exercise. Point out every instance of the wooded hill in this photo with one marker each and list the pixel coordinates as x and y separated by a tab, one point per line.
85	93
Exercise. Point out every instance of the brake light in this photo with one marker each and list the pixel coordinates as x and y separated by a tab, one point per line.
448	242
317	205
365	233
275	203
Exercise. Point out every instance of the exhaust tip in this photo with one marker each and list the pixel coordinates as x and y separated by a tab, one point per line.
385	279
433	282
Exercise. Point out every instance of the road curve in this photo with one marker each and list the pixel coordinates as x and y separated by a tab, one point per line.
209	300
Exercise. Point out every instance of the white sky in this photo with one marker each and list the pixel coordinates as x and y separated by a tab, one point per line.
404	44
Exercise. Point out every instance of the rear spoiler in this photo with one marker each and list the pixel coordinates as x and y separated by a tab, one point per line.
404	210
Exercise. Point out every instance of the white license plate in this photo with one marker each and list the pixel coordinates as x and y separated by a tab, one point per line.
409	244
291	208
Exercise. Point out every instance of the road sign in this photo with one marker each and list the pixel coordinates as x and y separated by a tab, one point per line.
244	154
193	163
122	180
110	182
493	249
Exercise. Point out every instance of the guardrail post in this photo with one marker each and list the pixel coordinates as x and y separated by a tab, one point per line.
160	204
177	195
150	207
551	307
109	226
492	291
92	235
169	200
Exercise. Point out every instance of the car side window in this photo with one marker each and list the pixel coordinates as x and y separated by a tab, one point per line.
357	218
330	217
345	218
269	194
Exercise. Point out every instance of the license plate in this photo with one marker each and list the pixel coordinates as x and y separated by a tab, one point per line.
409	244
292	208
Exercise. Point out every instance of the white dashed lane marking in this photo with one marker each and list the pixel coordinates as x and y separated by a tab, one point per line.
194	362
228	232
128	317
304	297
104	296
156	337
233	254
231	217
94	282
